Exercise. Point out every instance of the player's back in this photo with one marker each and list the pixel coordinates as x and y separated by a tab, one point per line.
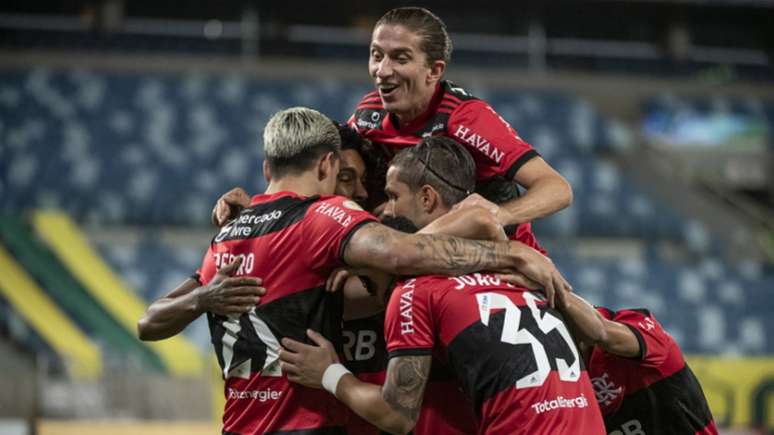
655	393
513	356
292	243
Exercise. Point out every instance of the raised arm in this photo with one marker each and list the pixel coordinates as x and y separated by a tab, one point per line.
547	193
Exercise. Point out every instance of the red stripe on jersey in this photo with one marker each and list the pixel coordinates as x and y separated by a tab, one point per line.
629	388
293	243
710	429
370	106
506	348
452	98
270	404
447	107
557	407
445	411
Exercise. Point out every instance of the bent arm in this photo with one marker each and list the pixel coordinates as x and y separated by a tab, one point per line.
379	247
474	223
593	329
395	406
169	315
547	193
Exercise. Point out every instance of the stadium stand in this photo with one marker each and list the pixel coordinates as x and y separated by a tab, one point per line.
80	356
120	346
74	251
158	148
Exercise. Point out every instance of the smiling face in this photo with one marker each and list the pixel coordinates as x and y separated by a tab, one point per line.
404	79
351	176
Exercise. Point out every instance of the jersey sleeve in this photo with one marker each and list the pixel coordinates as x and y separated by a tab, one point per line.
493	143
408	322
208	269
655	342
329	225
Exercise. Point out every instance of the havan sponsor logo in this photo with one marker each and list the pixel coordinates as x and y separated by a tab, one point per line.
406	304
479	143
338	214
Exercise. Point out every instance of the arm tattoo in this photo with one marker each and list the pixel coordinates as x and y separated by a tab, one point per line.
433	253
405	385
459	256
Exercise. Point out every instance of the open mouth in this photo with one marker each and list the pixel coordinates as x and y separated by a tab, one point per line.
387	89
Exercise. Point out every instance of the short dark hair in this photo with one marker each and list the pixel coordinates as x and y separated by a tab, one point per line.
294	139
376	162
436	43
441	163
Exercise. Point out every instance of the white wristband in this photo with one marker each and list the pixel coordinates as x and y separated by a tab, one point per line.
332	376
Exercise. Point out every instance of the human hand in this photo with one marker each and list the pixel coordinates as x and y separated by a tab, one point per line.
539	269
520	280
305	364
476	200
227	295
337	279
229	205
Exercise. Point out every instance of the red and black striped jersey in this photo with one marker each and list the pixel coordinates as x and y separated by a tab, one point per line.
513	356
445	408
292	243
656	393
496	148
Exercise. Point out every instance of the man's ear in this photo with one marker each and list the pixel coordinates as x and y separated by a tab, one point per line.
429	198
328	166
436	71
266	171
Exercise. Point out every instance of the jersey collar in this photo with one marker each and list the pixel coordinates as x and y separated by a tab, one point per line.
266	197
420	120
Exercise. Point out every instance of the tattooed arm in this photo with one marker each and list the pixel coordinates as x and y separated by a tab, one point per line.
393	407
379	247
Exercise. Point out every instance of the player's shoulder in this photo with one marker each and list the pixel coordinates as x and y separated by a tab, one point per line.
453	93
426	284
340	209
627	315
639	319
463	107
369	113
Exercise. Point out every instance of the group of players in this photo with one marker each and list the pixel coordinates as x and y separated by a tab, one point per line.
447	314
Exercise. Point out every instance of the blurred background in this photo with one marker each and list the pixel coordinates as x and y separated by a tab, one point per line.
122	122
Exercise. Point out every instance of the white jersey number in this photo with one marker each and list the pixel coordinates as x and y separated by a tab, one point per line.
513	335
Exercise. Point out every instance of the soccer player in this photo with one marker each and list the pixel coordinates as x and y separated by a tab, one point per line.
293	236
514	356
642	383
409	52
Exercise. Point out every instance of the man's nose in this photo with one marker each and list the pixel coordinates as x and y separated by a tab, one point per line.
360	192
384	68
389	210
